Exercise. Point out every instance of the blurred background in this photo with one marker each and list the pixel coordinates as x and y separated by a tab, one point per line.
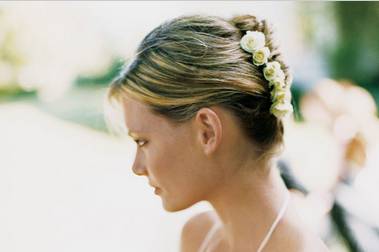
66	183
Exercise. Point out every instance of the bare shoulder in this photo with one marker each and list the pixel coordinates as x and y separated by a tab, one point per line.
297	239
298	243
195	229
293	235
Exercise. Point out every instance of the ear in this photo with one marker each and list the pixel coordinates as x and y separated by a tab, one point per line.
209	129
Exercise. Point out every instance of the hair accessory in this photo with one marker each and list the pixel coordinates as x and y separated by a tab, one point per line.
254	43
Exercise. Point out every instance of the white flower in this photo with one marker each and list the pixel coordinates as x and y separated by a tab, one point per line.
274	64
289	80
253	41
277	82
260	56
281	109
281	95
273	71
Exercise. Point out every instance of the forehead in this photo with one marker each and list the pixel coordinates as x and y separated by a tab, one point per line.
134	113
138	117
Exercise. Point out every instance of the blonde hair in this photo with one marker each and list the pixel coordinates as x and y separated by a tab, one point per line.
196	61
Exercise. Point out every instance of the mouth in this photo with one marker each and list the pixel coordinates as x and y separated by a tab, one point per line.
157	190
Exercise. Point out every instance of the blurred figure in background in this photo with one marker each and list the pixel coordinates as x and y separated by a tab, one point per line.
349	113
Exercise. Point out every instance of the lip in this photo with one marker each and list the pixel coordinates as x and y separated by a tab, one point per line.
157	190
152	185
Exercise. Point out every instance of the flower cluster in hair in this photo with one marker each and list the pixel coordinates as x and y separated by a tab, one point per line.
254	42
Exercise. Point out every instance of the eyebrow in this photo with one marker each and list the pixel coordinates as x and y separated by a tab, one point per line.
132	134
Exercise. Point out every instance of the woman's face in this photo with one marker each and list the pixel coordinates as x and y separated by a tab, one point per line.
168	155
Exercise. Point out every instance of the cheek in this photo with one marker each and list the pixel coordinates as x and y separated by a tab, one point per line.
173	160
166	159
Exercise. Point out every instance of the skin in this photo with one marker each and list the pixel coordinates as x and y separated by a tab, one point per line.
210	158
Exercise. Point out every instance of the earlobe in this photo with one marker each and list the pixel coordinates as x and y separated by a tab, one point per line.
209	127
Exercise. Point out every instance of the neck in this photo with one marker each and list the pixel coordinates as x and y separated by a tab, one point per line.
247	206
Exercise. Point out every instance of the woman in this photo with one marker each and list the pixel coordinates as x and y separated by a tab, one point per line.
204	100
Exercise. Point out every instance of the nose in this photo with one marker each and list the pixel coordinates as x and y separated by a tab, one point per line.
138	166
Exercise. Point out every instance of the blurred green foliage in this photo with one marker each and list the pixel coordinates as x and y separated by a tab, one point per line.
10	62
10	93
347	35
101	79
356	55
297	93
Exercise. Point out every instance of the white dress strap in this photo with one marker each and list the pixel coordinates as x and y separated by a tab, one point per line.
275	223
208	237
217	224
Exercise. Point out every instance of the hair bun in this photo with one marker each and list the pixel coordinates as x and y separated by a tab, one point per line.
247	23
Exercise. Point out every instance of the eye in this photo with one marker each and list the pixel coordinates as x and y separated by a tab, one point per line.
140	142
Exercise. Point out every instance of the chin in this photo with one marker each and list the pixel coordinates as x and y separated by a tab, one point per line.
176	206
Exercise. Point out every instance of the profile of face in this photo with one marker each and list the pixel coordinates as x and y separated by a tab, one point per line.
194	160
175	157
